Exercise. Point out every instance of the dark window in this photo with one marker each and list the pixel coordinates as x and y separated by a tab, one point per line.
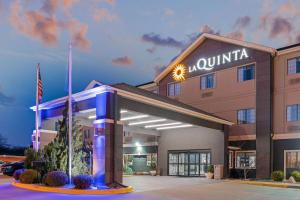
293	112
246	73
174	89
246	116
293	66
207	81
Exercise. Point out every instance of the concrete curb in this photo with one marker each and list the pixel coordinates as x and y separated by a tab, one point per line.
61	190
268	184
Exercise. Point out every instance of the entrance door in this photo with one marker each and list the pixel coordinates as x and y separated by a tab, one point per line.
140	163
188	163
204	162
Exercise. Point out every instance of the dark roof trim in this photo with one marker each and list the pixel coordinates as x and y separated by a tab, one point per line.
288	47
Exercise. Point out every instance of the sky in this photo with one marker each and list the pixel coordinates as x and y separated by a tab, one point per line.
115	41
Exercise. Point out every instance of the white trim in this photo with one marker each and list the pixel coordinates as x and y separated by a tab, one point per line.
200	40
92	84
283	136
83	95
45	131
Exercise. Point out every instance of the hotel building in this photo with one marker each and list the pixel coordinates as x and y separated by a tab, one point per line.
220	101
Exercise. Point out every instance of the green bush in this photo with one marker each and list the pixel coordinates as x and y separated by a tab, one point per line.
56	178
127	170
29	176
210	169
277	176
296	175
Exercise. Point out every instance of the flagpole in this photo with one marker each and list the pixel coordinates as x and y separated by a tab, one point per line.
36	147
70	112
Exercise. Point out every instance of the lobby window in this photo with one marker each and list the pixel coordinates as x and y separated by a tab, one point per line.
173	89
207	81
246	116
246	73
293	66
245	159
293	112
293	159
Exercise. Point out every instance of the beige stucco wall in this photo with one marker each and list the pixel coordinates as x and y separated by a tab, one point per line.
187	139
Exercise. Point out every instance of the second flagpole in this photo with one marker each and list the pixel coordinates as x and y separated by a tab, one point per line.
70	112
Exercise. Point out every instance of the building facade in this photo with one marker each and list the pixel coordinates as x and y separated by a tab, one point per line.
254	86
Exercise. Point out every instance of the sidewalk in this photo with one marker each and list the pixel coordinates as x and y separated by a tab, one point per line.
267	183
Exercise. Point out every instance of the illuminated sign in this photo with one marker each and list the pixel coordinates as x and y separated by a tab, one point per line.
179	73
208	64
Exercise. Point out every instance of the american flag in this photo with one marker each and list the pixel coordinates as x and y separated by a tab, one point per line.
40	85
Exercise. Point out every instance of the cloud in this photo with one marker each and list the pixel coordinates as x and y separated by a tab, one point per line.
78	33
43	25
242	22
50	6
35	25
151	50
208	29
122	61
5	100
101	14
156	39
169	12
280	26
237	35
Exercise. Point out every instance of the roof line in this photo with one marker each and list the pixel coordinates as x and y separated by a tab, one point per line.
200	40
86	94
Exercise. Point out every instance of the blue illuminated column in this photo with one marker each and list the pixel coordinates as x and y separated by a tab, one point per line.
108	141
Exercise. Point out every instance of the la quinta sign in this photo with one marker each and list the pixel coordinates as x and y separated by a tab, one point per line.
211	62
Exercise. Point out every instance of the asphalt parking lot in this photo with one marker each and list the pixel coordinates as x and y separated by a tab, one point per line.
166	188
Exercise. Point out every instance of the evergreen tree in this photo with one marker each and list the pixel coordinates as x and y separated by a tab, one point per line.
56	152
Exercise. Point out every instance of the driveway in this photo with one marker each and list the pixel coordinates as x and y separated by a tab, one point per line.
167	188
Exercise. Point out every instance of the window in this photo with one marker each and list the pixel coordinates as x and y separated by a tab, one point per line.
174	89
294	66
207	81
293	112
246	73
246	159
246	116
293	159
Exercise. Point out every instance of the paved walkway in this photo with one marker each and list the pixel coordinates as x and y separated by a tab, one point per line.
167	188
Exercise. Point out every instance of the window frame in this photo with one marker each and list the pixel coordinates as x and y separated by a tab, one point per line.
173	83
287	65
205	75
247	122
297	111
246	65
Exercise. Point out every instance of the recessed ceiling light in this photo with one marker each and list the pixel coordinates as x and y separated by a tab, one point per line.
159	125
134	117
146	122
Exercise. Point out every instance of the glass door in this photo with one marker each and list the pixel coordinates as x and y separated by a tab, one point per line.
183	164
204	162
194	164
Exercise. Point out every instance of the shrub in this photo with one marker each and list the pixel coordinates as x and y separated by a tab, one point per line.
210	169
17	174
83	181
56	178
277	176
296	175
29	176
